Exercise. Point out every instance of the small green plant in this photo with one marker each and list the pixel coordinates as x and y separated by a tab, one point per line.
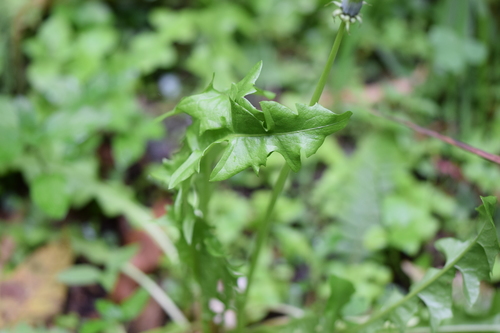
325	253
228	135
228	131
113	315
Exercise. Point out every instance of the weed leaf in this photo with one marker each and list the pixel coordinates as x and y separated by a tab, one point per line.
437	294
474	266
212	107
293	134
473	258
403	313
188	168
487	237
251	134
341	291
247	85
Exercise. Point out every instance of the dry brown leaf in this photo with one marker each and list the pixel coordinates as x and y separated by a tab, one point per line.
32	292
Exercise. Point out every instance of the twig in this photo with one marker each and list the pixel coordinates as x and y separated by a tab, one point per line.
487	156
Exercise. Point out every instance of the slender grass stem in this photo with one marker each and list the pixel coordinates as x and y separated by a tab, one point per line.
158	294
326	71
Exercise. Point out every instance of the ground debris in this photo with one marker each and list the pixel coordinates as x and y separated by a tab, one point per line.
32	292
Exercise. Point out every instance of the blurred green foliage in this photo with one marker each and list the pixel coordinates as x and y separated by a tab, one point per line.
81	81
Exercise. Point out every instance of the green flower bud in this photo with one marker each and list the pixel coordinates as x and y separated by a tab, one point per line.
348	11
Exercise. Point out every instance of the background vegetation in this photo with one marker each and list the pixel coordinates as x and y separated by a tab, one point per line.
81	157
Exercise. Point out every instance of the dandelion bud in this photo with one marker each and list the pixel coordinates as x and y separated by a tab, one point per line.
348	11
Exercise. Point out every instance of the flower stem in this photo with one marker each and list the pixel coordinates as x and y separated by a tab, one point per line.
262	236
265	226
326	71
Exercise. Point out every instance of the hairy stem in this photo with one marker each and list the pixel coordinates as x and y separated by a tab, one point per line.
326	71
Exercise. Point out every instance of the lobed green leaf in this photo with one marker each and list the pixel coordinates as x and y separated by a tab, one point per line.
473	258
292	134
212	107
437	294
251	134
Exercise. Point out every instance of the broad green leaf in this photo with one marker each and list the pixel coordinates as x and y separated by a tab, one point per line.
148	52
294	134
92	13
474	258
294	243
453	53
213	108
397	208
341	291
174	25
437	294
481	252
116	199
133	305
474	266
252	135
80	275
487	237
96	42
49	192
109	310
96	251
402	314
